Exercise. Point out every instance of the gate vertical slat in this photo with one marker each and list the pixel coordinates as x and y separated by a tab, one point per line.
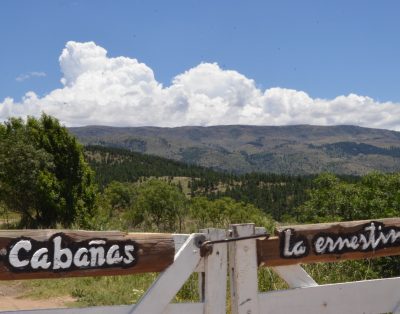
213	280
243	271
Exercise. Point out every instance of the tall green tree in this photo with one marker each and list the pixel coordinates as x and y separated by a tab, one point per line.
43	174
159	206
116	200
376	195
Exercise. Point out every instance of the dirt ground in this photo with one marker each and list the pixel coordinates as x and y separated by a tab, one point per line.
10	299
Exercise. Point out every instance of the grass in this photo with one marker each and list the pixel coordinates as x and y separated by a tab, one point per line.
117	290
110	290
92	291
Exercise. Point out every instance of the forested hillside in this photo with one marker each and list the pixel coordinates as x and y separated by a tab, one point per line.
277	195
117	164
291	150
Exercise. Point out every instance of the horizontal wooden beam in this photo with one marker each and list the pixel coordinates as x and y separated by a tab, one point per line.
29	254
330	242
173	308
370	296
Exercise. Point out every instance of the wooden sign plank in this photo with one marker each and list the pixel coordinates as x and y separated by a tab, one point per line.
28	254
331	242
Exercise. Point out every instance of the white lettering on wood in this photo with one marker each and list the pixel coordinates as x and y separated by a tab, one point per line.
14	253
57	254
370	237
39	259
295	249
62	257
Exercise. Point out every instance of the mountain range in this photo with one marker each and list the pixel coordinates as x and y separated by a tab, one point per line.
296	149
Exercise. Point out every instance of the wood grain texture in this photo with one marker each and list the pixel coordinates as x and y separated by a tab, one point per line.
269	250
155	252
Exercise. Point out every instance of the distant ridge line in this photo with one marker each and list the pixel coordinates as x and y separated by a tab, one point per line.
293	149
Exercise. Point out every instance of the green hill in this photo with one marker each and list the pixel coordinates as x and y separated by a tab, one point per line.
276	194
298	149
117	164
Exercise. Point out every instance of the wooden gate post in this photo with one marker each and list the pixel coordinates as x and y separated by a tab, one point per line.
243	271
212	281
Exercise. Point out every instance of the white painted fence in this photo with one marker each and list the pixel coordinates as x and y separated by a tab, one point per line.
305	296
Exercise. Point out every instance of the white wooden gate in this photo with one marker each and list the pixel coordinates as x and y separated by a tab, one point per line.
239	258
305	295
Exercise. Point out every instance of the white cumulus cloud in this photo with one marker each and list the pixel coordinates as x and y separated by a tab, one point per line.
121	91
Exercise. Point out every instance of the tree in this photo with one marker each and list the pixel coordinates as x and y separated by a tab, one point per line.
116	199
224	211
43	174
158	205
376	195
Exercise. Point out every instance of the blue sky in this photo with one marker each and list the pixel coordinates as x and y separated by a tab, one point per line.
326	49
